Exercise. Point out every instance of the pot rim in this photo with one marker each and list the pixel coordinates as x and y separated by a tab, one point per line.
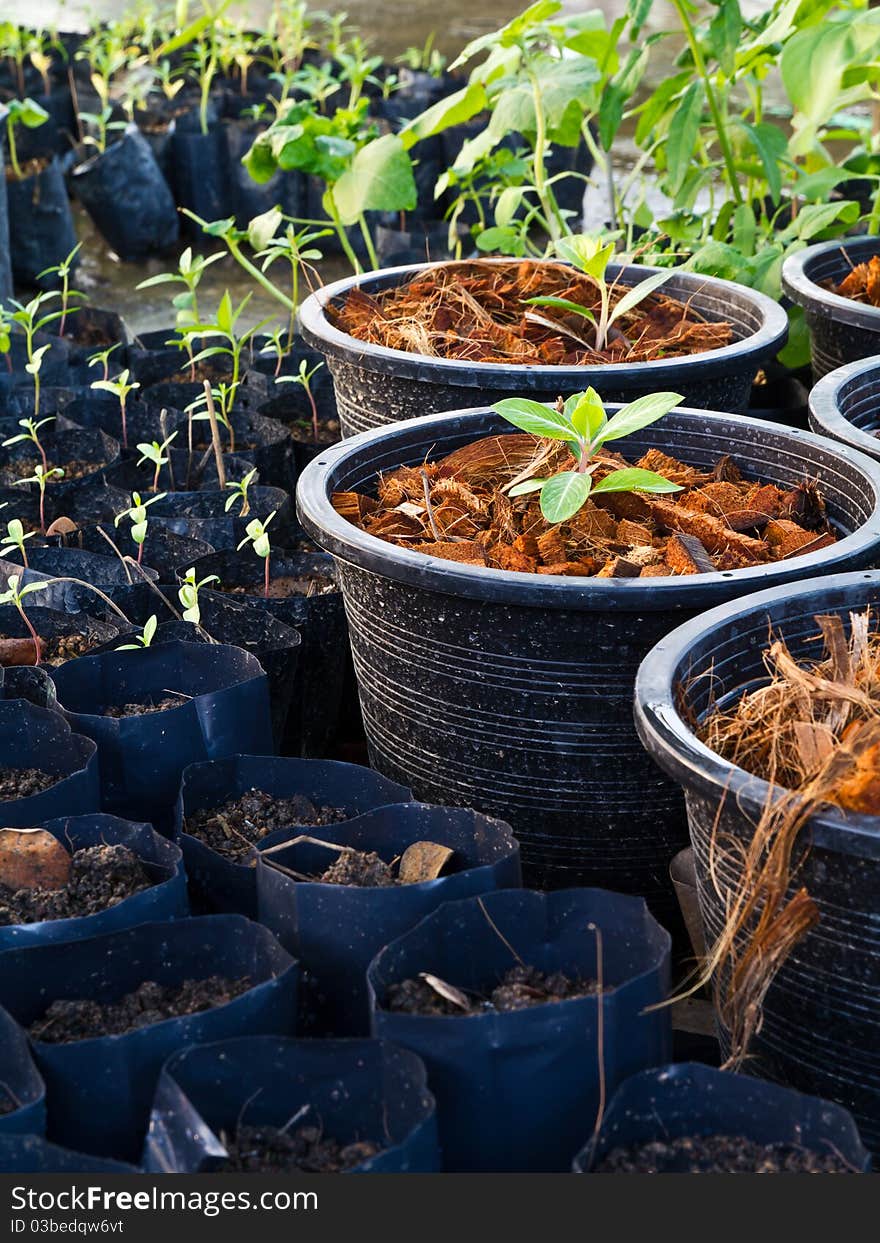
319	333
348	543
815	300
825	410
673	745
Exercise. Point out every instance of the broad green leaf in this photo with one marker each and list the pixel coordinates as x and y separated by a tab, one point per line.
633	479
535	418
380	179
587	413
638	414
508	202
263	228
453	110
530	485
563	495
682	139
724	33
562	304
638	293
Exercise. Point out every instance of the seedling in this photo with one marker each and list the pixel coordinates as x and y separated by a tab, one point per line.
199	411
31	115
425	59
144	639
155	453
225	326
582	423
15	595
63	270
120	388
257	535
190	271
188	595
31	321
297	248
276	345
137	515
41	477
102	359
32	433
15	537
304	377
6	338
240	492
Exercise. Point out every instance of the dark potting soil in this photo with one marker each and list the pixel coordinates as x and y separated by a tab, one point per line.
357	867
23	782
21	469
233	828
283	588
720	1154
52	651
81	1019
328	432
520	988
29	168
268	1150
100	877
148	706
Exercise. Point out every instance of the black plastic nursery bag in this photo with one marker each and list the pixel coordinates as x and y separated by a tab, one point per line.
32	737
22	1091
31	1154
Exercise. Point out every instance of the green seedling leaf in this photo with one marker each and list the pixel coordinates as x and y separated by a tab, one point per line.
539	420
563	495
638	414
633	479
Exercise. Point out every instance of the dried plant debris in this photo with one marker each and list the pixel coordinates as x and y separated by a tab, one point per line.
720	1154
81	1019
235	827
459	509
477	312
358	867
520	988
98	877
275	1150
148	706
365	869
862	284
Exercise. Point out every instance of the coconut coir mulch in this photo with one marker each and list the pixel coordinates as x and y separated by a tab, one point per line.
477	312
862	284
100	877
459	509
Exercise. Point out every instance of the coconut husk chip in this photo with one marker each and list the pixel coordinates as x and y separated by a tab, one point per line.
423	861
32	859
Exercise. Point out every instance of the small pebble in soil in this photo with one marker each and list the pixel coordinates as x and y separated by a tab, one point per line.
82	1019
358	867
233	828
720	1154
100	877
148	706
519	989
268	1150
23	782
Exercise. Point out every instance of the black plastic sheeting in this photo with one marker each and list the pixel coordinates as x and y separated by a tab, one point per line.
165	899
32	737
100	1090
20	1081
30	682
223	885
689	1100
334	931
31	1154
128	198
119	582
516	1090
224	709
352	1089
41	232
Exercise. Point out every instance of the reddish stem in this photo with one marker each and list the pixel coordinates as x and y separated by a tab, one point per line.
124	425
314	406
43	508
36	638
140	552
266	580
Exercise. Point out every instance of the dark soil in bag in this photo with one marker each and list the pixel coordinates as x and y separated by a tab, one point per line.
32	737
100	876
63	636
41	232
183	472
87	329
518	988
23	782
79	453
29	1154
22	1092
203	515
235	827
271	1150
720	1154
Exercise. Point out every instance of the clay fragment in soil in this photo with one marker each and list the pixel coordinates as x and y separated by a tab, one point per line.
23	782
148	706
99	877
270	1150
720	1154
519	989
80	1019
32	859
477	312
235	827
862	284
719	521
20	651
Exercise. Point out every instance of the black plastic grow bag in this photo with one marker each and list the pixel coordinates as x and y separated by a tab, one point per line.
93	449
21	1084
41	233
27	682
121	583
821	1025
513	1088
352	1089
51	624
164	551
32	737
200	171
690	1100
31	1154
375	385
334	931
5	258
224	709
128	198
228	886
99	1090
512	693
203	515
165	899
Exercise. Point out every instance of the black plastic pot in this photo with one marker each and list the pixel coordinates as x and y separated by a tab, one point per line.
250	198
690	1101
41	232
150	358
219	883
841	330
30	683
32	737
165	899
5	254
128	198
51	623
353	1089
200	172
182	473
320	620
121	583
20	1083
822	1011
99	1090
334	931
203	515
224	709
94	449
259	441
31	1154
845	405
87	329
375	385
512	693
164	551
514	1088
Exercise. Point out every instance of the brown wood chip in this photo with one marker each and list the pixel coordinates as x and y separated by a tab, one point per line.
32	859
423	861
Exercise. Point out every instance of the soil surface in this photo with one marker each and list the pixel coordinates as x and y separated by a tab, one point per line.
234	828
147	707
720	1154
22	469
268	1150
53	651
519	989
23	782
29	168
100	877
361	868
303	432
283	588
81	1019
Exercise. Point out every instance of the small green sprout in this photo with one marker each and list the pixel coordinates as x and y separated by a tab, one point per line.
32	433
257	535
144	639
41	477
102	359
188	595
137	515
31	115
156	453
304	377
15	537
240	492
120	388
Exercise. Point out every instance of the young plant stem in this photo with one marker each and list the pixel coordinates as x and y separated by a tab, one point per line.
368	242
124	424
36	638
13	153
266	579
341	233
215	435
43	505
260	277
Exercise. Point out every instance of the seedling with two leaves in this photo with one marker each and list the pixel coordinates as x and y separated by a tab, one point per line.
258	537
240	493
15	537
41	477
120	388
157	454
63	270
304	377
144	639
137	515
32	433
102	359
31	115
188	595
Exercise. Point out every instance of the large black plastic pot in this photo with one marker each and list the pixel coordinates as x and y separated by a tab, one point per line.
691	1101
845	405
224	885
31	1154
28	682
21	1084
352	1089
512	693
841	330
335	930
165	899
821	1026
126	195
32	737
41	233
99	1090
514	1088
224	709
375	385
